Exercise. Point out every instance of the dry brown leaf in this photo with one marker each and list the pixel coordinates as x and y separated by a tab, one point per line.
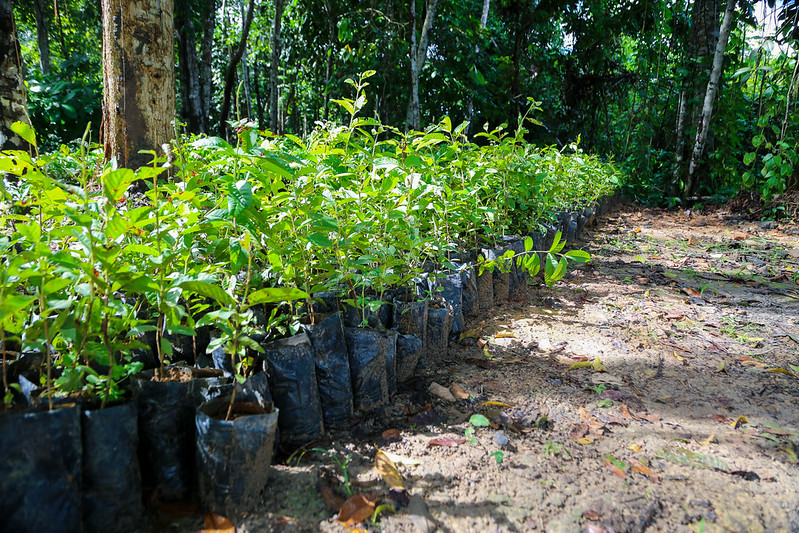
329	496
615	469
590	514
495	404
641	468
391	434
458	391
357	508
625	411
388	471
215	523
447	442
691	292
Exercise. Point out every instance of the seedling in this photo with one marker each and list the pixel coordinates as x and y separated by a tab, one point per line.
498	455
554	449
343	464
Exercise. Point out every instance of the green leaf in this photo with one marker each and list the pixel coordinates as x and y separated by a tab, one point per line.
749	158
13	304
24	131
271	295
554	271
528	244
116	182
578	255
320	240
479	420
239	198
557	243
209	290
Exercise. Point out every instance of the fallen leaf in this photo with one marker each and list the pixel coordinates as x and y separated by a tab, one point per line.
581	364
357	508
391	434
215	523
708	441
447	442
649	417
687	457
598	366
388	471
505	335
458	391
584	440
783	371
625	411
721	418
691	292
722	366
740	421
641	468
478	420
615	469
441	391
496	404
680	359
634	447
329	495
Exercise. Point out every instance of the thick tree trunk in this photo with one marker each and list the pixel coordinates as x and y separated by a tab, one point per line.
274	119
418	57
42	38
138	78
230	74
12	91
703	126
188	66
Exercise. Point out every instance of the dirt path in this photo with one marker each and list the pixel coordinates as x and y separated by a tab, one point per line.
652	390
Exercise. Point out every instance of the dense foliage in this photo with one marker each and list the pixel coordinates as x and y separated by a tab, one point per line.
355	208
627	78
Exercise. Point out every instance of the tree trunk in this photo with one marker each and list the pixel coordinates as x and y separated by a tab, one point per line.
418	57
206	79
483	24
245	77
188	66
42	38
230	74
12	91
710	96
138	78
256	83
274	119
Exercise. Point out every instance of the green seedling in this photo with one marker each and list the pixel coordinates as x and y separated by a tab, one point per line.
554	449
605	403
343	464
498	456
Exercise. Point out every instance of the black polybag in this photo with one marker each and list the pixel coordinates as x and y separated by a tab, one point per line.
233	457
409	349
369	357
166	436
332	370
111	478
292	382
40	470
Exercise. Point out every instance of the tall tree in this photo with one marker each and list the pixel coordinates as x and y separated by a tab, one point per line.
274	119
418	53
188	65
42	37
232	67
12	92
138	78
703	125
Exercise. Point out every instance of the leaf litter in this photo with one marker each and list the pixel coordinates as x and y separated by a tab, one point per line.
668	300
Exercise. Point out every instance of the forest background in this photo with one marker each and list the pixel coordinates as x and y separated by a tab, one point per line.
628	80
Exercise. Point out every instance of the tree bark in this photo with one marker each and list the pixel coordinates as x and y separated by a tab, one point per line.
12	91
206	54
188	66
418	58
42	38
138	78
274	119
230	74
710	96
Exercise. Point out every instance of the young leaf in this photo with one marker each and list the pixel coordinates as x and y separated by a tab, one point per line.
209	291
479	420
272	295
24	131
239	198
556	242
528	244
578	255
